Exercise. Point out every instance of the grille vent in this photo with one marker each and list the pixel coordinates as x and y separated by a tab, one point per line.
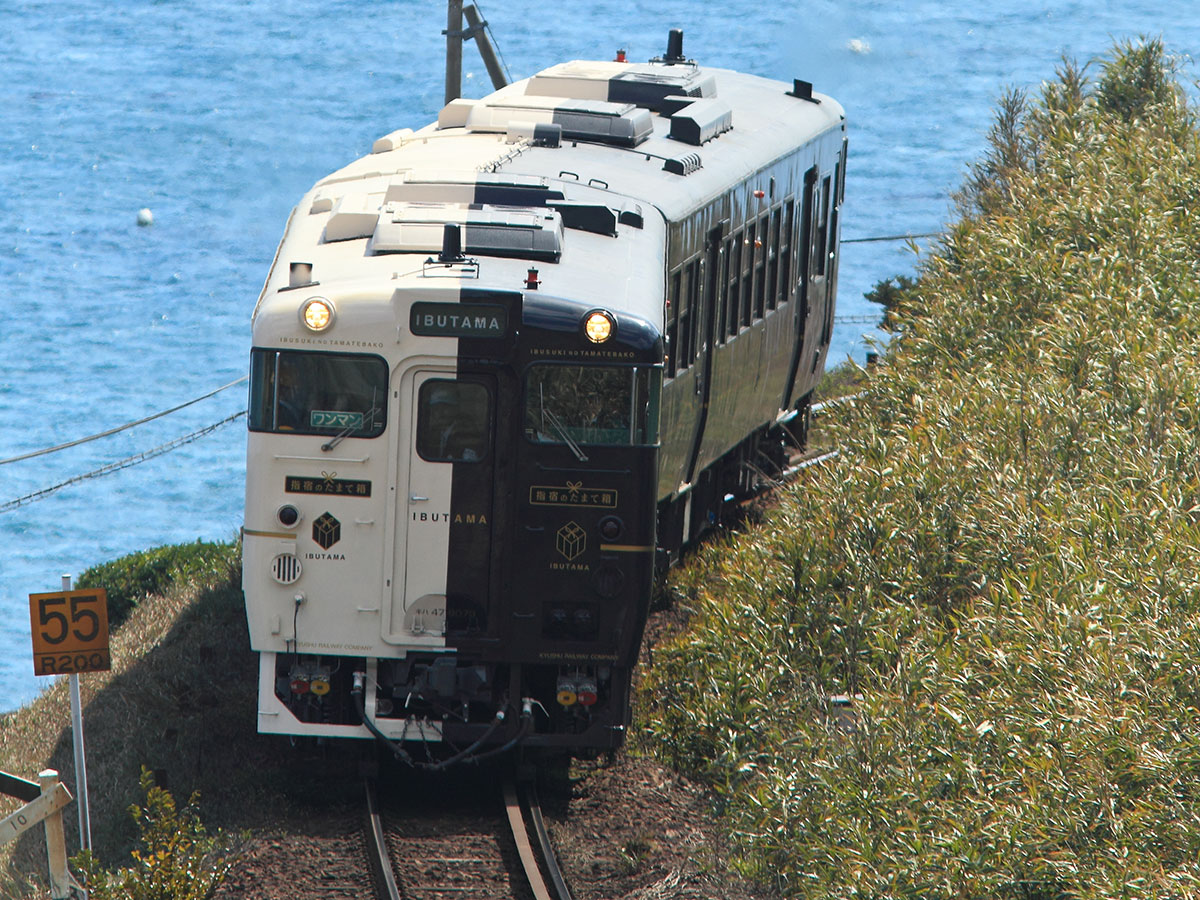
286	568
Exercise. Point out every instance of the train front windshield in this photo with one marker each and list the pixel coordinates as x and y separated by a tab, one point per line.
616	405
298	392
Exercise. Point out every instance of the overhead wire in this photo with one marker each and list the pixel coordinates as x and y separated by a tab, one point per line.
142	457
120	428
892	237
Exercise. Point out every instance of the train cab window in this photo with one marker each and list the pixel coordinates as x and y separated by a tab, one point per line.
453	421
575	405
333	394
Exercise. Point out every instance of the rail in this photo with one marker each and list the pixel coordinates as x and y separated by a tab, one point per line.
519	801
377	852
539	868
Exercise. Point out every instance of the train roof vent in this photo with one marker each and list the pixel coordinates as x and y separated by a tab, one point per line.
644	85
486	230
581	120
466	187
683	165
584	216
701	121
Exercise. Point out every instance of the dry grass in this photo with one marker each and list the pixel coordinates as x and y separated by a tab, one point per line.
181	689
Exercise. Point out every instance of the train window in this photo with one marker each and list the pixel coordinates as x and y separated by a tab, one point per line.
773	288
721	313
735	281
683	357
453	420
748	273
573	405
332	394
785	251
694	281
761	248
821	213
673	325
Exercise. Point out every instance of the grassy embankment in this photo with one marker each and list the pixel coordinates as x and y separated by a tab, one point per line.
1003	566
180	692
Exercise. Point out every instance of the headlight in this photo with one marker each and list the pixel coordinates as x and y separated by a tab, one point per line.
316	314
599	326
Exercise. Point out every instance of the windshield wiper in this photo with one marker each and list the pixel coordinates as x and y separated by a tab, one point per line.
367	420
558	426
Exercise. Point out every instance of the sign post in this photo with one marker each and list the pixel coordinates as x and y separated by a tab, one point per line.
70	636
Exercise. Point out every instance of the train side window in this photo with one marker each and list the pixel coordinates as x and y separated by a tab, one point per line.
683	357
694	284
721	311
761	249
577	405
328	394
748	272
773	287
673	324
735	281
453	421
821	230
785	251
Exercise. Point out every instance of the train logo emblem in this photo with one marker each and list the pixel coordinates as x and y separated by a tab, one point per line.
326	531
571	540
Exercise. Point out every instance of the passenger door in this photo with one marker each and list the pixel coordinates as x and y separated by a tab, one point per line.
444	512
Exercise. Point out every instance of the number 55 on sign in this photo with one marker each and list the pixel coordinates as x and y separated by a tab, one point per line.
70	632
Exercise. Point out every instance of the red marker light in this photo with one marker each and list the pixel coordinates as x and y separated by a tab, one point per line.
620	56
760	194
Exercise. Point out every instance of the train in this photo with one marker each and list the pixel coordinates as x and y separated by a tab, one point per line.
504	368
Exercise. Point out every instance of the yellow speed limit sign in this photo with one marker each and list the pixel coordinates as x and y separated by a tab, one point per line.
70	632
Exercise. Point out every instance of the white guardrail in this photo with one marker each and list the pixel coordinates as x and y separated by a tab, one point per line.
45	800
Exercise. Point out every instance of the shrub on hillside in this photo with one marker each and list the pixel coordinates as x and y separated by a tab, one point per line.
178	860
131	578
964	660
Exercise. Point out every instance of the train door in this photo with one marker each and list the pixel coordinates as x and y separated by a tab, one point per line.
803	272
445	511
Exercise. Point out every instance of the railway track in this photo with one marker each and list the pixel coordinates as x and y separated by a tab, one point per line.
469	850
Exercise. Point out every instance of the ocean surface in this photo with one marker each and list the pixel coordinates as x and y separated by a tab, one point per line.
216	115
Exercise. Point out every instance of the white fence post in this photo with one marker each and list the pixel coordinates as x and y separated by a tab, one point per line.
56	841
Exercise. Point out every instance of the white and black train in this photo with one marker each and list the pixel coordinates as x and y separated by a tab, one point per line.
503	364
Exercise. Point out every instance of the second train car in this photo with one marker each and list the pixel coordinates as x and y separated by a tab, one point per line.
500	366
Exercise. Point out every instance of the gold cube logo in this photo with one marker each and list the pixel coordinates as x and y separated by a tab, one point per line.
571	540
327	531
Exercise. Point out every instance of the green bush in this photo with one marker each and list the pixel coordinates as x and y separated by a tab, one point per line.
131	578
178	859
964	659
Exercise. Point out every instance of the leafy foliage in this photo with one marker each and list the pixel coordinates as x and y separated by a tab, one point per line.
964	660
179	859
890	294
131	578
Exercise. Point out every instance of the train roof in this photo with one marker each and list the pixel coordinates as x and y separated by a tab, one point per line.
581	164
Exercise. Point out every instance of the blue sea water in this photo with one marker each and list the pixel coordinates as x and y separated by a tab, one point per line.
218	114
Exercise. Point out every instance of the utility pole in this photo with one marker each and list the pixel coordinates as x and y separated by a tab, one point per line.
454	38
